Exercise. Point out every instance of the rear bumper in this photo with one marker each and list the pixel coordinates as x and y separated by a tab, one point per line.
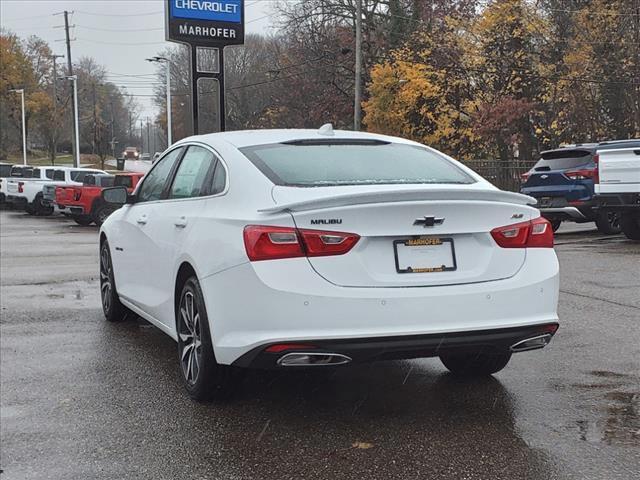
563	212
71	209
402	347
618	201
247	311
17	202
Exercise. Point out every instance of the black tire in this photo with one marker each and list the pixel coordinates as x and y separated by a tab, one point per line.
100	214
39	208
84	220
555	224
29	209
203	377
113	310
475	364
630	224
608	222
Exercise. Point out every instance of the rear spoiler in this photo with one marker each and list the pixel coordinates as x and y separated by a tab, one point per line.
402	196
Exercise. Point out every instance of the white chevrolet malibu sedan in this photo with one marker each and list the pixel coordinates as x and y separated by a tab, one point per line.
285	249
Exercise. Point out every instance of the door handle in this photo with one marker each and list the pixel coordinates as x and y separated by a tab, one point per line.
142	219
181	222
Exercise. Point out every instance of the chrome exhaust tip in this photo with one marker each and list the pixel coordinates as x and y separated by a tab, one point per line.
533	343
313	359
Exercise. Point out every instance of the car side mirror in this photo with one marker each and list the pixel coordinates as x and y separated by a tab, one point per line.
115	196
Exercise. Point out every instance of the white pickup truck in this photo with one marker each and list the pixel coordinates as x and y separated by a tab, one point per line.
618	189
26	193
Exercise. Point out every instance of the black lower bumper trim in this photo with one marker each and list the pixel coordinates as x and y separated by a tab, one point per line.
618	201
401	347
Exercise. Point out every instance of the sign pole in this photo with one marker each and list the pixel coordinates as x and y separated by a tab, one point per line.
194	90
201	26
221	97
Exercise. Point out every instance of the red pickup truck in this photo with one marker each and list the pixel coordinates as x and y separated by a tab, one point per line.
84	203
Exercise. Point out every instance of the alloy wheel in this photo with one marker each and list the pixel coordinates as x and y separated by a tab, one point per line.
105	278
190	338
614	220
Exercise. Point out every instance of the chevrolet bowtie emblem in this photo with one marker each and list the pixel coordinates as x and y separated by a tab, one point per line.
428	221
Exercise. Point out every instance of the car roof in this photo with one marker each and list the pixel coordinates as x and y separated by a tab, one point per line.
632	142
246	138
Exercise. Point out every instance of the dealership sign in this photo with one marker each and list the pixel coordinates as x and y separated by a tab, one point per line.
205	22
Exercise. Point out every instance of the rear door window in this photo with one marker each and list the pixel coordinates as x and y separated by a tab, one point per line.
219	182
106	181
5	171
191	178
49	173
563	159
122	181
58	175
78	175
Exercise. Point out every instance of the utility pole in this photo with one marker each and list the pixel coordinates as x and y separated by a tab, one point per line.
74	97
167	63
357	108
95	119
24	129
113	138
54	136
148	137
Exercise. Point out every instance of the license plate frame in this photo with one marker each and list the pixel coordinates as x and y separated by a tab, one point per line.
545	201
425	242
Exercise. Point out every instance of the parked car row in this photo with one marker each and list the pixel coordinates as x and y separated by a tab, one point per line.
596	182
71	191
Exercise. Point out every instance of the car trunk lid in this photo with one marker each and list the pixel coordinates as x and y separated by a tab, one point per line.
410	236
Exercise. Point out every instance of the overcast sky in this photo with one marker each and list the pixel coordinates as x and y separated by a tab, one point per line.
118	34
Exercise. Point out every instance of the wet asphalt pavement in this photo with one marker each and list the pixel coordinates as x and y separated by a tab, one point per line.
84	399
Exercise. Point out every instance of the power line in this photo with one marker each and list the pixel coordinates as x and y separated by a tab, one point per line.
118	43
120	14
128	30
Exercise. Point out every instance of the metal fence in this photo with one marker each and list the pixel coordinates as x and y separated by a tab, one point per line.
503	174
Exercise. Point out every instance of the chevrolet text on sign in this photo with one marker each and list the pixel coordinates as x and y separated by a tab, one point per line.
206	22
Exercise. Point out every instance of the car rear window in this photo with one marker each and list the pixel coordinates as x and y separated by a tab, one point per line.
123	181
563	159
315	163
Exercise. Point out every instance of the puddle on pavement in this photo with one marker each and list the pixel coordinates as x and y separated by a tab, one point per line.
618	406
75	294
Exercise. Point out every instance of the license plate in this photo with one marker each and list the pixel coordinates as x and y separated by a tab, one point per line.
424	255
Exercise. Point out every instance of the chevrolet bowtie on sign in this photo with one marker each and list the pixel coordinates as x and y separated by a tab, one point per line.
212	23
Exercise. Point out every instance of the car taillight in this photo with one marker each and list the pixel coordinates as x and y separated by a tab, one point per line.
536	233
525	176
583	174
263	242
20	187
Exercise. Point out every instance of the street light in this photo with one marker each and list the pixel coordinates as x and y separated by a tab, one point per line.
74	80
24	130
167	63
